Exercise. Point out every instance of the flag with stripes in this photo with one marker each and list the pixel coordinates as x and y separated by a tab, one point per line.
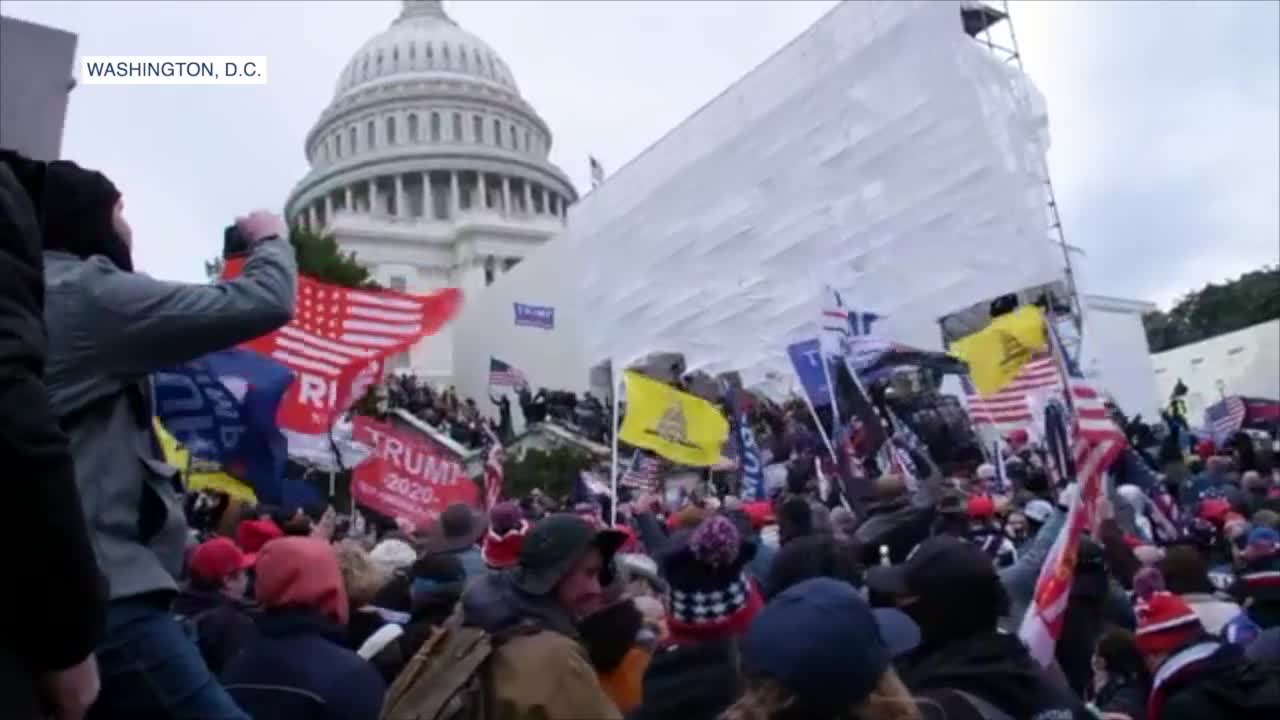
642	472
503	374
1224	419
493	475
336	344
1096	442
1009	408
839	325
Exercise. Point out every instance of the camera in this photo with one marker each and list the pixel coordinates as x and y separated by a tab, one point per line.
234	242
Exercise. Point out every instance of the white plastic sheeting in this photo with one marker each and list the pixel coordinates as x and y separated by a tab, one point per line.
882	152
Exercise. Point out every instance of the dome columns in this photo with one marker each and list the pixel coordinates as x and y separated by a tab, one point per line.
434	195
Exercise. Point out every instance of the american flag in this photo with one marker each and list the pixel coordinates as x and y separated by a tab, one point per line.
1008	409
1224	419
642	472
493	475
336	341
1096	441
503	375
839	324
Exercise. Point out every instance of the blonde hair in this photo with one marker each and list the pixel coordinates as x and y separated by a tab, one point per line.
767	699
362	577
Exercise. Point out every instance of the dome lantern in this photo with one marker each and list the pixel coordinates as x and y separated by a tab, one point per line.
423	9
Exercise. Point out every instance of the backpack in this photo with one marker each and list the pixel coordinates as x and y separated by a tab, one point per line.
448	677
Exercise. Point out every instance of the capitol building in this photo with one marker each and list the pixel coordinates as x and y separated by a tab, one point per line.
430	167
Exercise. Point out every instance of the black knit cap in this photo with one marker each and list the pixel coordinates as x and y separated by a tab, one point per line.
75	211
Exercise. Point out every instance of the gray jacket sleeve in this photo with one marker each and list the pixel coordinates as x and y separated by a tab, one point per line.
144	325
1019	579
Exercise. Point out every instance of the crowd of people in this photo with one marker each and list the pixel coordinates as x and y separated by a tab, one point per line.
811	604
463	422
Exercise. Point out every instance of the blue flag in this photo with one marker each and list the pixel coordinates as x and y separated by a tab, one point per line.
806	358
748	452
223	408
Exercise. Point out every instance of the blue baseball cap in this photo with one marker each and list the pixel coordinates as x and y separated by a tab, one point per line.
823	642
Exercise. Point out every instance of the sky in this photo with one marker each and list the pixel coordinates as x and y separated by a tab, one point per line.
1164	116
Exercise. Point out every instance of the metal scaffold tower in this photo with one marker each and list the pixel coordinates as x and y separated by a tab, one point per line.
991	26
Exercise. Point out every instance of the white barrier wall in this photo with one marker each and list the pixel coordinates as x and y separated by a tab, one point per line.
551	358
1117	356
883	151
1245	362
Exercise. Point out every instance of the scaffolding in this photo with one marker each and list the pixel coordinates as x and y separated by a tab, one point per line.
991	26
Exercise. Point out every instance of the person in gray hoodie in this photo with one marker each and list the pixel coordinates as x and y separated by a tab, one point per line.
109	328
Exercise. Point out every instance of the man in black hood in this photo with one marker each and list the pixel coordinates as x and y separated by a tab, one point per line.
110	329
49	632
964	664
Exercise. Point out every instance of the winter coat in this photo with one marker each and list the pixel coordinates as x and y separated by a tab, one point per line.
1216	684
1123	694
1213	612
994	667
57	618
690	682
299	669
539	668
222	626
1019	579
108	330
1266	647
1081	627
900	524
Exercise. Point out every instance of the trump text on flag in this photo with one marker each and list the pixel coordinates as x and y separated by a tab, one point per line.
536	316
408	476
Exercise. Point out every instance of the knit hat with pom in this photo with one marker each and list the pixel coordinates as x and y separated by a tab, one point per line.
711	594
1165	623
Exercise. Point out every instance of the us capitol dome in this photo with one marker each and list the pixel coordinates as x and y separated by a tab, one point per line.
430	166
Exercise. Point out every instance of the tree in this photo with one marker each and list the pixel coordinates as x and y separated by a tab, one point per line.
319	257
551	471
1215	309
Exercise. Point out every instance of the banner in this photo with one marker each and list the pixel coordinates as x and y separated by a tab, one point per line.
536	316
680	427
408	476
199	478
222	407
336	344
996	353
805	358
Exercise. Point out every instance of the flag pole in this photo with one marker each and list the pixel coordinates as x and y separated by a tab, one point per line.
613	471
818	423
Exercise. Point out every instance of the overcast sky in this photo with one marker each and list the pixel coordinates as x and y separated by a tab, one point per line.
1165	116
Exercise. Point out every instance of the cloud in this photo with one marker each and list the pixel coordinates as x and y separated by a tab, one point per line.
1164	116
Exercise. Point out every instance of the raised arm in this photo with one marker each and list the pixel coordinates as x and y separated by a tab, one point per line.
143	325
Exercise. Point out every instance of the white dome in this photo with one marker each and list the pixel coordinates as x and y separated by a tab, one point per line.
428	105
424	41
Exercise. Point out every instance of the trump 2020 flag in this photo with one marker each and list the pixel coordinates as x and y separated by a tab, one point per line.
748	452
222	407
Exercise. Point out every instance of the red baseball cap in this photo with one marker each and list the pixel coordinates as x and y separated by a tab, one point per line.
213	560
981	506
251	535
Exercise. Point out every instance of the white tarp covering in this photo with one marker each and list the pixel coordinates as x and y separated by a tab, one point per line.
883	152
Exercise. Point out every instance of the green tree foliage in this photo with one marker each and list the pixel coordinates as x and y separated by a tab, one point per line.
318	257
1215	309
553	472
